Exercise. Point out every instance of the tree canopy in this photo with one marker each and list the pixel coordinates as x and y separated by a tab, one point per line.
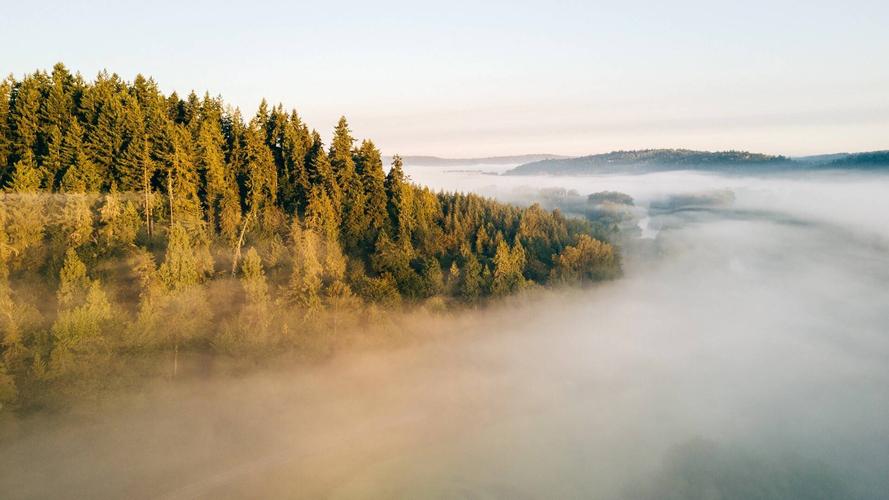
131	207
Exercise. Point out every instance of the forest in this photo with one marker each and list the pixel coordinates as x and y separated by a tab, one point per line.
652	160
136	227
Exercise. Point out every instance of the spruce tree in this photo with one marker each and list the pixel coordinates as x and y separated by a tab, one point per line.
84	311
25	120
79	173
119	222
321	174
369	166
293	178
6	86
354	218
26	215
508	267
471	284
399	202
255	317
304	288
220	195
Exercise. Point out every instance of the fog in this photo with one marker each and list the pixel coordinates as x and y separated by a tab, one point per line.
743	355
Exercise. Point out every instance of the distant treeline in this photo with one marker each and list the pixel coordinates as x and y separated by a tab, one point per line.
653	160
646	160
136	222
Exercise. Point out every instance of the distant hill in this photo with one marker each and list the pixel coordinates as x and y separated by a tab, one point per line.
435	161
869	160
649	160
654	160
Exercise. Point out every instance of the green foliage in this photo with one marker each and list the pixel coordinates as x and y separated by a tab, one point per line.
587	261
84	311
101	180
508	266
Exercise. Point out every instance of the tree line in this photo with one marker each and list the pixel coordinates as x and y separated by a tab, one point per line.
133	221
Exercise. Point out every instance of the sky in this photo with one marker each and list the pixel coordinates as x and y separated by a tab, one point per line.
463	79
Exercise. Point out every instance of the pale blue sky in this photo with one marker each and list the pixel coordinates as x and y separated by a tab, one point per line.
476	78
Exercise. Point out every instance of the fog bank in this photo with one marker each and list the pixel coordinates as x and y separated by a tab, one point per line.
743	355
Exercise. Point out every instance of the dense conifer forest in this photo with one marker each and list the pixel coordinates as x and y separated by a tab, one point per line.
136	224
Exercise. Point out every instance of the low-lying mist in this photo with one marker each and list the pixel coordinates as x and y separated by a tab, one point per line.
742	355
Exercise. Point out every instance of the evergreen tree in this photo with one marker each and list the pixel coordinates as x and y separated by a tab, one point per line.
56	115
321	173
119	222
508	266
304	289
25	120
220	192
180	269
26	215
354	218
105	135
79	174
293	177
12	344
321	216
73	221
399	200
262	179
255	317
181	177
84	311
5	129
369	166
586	261
471	284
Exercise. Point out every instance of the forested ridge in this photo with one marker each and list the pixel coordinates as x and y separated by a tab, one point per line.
651	160
135	223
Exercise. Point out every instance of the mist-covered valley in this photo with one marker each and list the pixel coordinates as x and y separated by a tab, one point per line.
742	355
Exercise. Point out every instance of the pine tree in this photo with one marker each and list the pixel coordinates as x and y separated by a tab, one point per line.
354	219
293	178
471	283
119	222
255	318
262	181
220	192
369	166
25	120
321	174
321	217
180	269
182	303
26	215
74	221
586	261
508	266
399	201
56	115
106	135
12	344
433	277
79	174
84	311
304	289
452	281
6	86
135	155
181	177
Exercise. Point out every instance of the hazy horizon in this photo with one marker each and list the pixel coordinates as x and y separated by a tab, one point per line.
502	78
